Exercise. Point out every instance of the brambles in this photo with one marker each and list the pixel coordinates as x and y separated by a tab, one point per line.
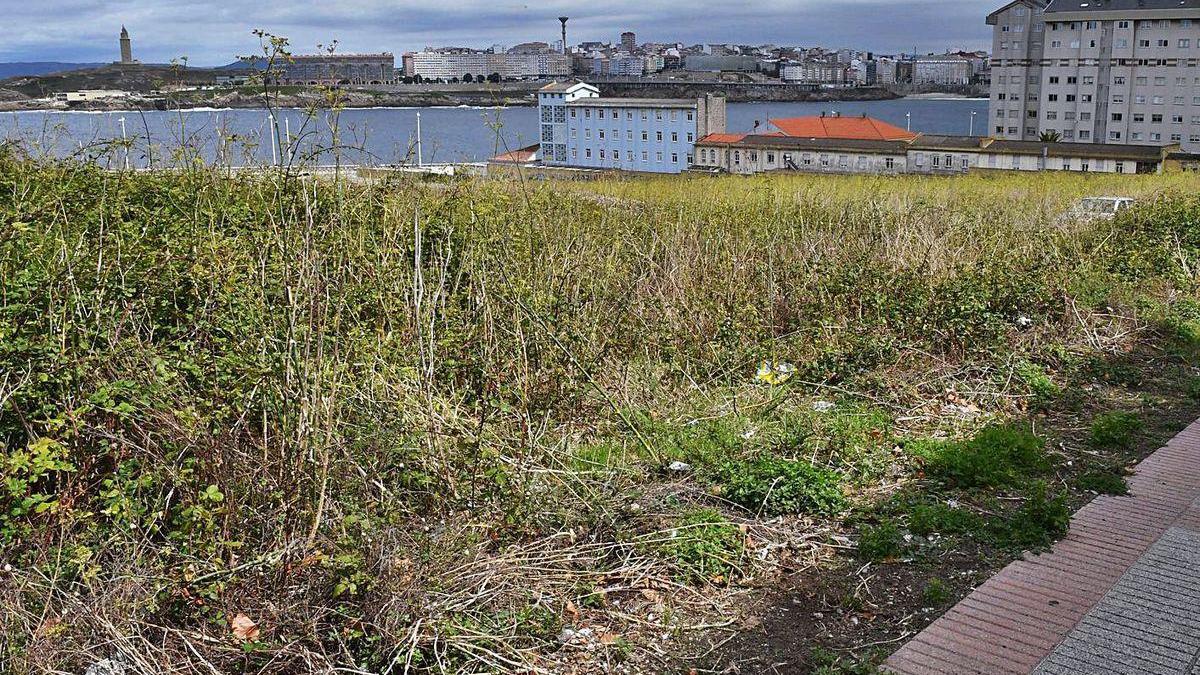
1115	430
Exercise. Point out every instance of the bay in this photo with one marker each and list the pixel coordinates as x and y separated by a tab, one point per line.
386	135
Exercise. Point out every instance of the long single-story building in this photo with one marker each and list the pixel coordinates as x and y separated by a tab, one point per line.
871	146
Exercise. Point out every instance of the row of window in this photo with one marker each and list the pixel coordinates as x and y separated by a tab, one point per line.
659	114
615	155
616	135
1160	80
1118	43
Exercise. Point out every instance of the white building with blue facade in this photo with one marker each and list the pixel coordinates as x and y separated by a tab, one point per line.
582	129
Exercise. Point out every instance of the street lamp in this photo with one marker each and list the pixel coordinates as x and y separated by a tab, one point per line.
908	121
972	131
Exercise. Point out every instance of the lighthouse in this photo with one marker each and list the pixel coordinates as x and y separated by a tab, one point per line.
126	47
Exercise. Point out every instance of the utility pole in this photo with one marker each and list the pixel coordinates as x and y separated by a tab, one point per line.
274	144
908	121
420	160
972	131
124	141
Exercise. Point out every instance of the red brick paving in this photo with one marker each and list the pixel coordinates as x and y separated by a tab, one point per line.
1011	622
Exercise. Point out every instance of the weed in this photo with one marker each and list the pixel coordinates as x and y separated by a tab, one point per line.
1041	519
997	455
1105	481
939	518
1038	382
1193	388
880	542
1115	430
775	486
936	593
705	547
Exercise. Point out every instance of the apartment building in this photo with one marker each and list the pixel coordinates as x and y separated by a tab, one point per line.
948	69
336	69
922	154
816	72
1107	71
447	64
579	128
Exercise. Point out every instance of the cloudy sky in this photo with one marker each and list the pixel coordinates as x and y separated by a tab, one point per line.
211	32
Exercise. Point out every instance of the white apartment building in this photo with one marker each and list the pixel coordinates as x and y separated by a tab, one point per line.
579	128
816	72
946	70
1116	71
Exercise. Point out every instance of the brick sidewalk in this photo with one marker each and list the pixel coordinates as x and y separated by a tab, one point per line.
1120	594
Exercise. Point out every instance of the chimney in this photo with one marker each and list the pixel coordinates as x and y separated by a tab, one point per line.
563	20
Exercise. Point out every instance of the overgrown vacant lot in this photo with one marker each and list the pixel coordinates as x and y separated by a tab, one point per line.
272	425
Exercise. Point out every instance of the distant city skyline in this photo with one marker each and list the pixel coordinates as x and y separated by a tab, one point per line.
209	32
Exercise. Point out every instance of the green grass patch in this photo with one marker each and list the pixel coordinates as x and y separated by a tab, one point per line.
775	486
1043	518
1116	430
884	541
998	455
939	518
705	547
936	593
1105	481
1038	382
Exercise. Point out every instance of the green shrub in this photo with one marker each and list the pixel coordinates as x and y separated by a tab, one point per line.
705	547
997	455
880	542
778	486
1115	430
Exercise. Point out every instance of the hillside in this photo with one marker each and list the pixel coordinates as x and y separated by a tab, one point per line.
263	423
34	68
141	78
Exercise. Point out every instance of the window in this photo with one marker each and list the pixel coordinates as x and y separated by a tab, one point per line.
587	134
690	137
646	156
689	157
658	136
889	163
1185	43
674	136
601	132
658	115
601	153
600	113
675	117
1120	167
573	111
690	115
616	154
674	157
645	136
587	152
658	157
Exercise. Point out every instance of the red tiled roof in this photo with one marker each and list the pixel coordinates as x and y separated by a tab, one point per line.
860	128
722	138
521	156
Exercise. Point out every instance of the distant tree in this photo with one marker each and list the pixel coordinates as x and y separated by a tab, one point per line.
418	79
1050	137
467	78
454	80
407	80
494	78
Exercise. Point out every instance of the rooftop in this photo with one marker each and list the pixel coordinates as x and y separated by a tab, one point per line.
521	156
1119	5
861	128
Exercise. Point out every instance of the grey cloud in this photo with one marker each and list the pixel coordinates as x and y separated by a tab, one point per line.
215	31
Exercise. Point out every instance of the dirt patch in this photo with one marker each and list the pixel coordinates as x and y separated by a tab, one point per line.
848	615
